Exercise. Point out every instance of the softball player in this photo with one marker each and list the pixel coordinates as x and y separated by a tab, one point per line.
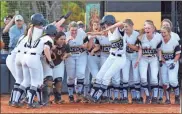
10	62
131	54
149	43
111	65
76	64
104	45
43	44
35	32
59	53
170	65
166	23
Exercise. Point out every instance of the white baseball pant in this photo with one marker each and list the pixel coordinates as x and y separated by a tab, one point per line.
170	77
75	67
94	66
111	67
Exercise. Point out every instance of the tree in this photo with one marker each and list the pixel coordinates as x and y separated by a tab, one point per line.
4	10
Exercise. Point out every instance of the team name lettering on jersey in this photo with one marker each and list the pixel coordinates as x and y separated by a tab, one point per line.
129	50
149	52
76	49
168	56
118	44
105	48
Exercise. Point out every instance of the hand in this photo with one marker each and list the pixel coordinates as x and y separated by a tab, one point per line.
171	66
160	63
92	52
64	58
136	64
51	64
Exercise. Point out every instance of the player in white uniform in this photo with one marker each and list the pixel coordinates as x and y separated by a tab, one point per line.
131	56
167	23
10	62
149	43
104	45
111	65
169	64
86	89
76	64
35	32
41	45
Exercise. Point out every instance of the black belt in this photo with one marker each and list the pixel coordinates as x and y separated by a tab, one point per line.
18	51
119	55
33	53
25	52
96	55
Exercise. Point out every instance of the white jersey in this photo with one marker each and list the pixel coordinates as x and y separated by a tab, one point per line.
37	33
76	43
21	47
175	36
39	44
131	40
118	43
104	43
149	47
170	49
16	49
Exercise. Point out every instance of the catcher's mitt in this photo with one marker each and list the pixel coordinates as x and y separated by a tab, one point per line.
2	45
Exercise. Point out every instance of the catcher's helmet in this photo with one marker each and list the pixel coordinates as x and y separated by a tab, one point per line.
51	30
108	19
38	19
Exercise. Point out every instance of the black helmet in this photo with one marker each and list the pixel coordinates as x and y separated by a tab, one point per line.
108	19
37	19
51	30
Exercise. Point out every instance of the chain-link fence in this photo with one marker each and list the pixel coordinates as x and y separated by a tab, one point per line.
51	10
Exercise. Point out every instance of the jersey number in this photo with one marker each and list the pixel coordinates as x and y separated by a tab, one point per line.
36	43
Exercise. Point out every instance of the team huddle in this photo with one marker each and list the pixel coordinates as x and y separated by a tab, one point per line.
117	57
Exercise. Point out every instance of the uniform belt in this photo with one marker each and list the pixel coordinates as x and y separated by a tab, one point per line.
25	52
19	51
33	53
119	55
97	55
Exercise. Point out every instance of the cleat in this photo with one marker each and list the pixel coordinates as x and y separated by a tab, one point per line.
10	103
141	100
116	101
138	101
133	101
17	105
59	101
71	99
125	100
177	100
85	100
147	101
160	101
167	102
34	105
91	99
110	100
154	100
104	99
78	97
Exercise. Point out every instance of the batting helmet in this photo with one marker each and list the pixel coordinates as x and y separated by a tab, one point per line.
108	19
38	19
51	30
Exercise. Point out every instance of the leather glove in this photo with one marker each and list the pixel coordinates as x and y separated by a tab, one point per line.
68	14
171	66
51	64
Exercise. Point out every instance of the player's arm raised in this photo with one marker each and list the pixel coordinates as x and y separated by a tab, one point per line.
118	24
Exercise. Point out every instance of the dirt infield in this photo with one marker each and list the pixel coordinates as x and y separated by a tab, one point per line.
91	108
